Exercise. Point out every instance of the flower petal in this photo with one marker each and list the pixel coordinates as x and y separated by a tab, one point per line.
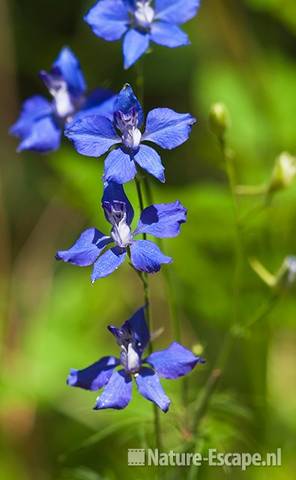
69	66
163	220
117	393
168	35
167	128
138	326
135	44
115	192
107	263
126	101
92	135
95	376
150	387
150	161
119	167
33	109
173	362
176	11
147	257
86	249
44	136
108	20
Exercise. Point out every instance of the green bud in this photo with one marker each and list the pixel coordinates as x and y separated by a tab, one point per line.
219	119
197	349
286	276
283	173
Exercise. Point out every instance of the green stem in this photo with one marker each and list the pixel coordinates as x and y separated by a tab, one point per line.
251	190
140	197
212	382
264	310
173	307
140	81
239	255
171	298
145	281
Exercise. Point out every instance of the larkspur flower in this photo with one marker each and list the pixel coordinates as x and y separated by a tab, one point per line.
94	135
133	337
41	123
141	21
91	248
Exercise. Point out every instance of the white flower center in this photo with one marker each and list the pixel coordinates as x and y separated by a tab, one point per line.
144	13
133	360
130	359
132	138
63	102
121	233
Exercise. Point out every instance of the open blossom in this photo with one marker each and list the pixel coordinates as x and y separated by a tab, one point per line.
41	123
141	21
94	135
93	247
133	337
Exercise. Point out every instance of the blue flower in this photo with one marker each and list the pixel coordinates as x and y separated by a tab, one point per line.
162	221
133	337
94	135
141	21
41	123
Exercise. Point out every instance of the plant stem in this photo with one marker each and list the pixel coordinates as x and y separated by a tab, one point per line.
251	190
140	197
216	371
264	310
173	307
171	299
140	81
145	281
229	167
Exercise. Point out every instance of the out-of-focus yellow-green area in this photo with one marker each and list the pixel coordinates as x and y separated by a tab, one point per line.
243	54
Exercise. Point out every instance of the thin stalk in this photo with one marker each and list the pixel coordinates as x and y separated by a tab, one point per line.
251	190
146	288
230	171
171	299
173	307
140	81
216	372
264	310
140	197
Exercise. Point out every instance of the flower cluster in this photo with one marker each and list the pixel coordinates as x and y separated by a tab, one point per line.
133	338
102	123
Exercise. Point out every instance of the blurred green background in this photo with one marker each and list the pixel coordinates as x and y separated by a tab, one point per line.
243	53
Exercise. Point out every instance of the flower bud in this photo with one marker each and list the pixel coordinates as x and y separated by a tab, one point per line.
283	173
286	277
219	119
197	349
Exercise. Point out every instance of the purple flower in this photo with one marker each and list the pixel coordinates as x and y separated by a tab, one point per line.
94	135
141	21
41	122
91	248
133	337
